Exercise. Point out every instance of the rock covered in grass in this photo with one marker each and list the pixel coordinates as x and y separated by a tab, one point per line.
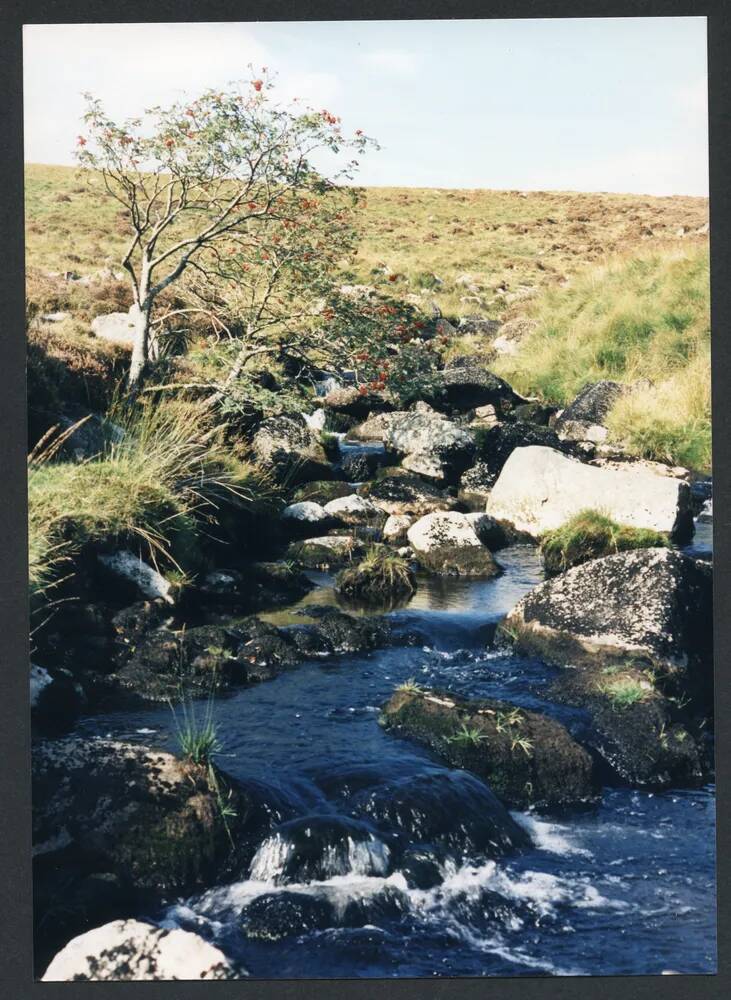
132	572
325	551
407	495
431	445
396	528
355	510
291	450
653	605
584	418
539	489
446	543
526	758
132	951
381	578
143	815
591	535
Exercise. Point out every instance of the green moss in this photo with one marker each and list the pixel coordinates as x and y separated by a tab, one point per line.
591	535
380	577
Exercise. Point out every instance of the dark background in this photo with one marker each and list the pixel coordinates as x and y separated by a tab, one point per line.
15	838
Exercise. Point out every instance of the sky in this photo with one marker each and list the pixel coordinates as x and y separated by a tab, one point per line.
581	104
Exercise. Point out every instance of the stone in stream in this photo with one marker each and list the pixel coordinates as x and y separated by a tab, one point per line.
540	489
407	495
277	915
636	630
355	510
526	758
316	848
375	428
56	699
132	951
359	466
325	552
475	485
431	445
466	383
307	518
497	444
453	809
321	491
293	452
133	574
353	403
395	529
446	543
258	587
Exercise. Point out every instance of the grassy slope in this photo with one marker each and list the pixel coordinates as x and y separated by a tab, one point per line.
536	253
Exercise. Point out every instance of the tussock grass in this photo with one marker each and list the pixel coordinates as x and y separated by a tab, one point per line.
624	691
642	321
591	535
379	578
152	488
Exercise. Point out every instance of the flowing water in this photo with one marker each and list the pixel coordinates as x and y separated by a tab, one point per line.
625	888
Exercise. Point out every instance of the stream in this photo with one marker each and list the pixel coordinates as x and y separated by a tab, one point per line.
627	887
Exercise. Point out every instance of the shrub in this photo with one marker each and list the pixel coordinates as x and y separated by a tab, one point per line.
379	578
591	535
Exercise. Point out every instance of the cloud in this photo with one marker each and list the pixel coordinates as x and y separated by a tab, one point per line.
693	98
639	171
398	61
316	88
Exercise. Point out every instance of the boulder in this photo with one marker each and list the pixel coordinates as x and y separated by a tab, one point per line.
433	446
355	510
650	605
277	915
375	428
258	587
291	450
540	489
132	951
406	494
143	815
484	417
359	466
395	529
466	383
307	518
117	327
475	485
497	443
56	699
135	575
489	531
446	543
584	418
353	403
321	492
526	758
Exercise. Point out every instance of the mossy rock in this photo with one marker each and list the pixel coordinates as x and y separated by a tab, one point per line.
322	492
381	578
526	758
591	535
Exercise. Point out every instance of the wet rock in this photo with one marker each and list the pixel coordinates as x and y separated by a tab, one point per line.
260	586
361	465
380	580
321	492
307	518
497	444
395	529
492	534
651	605
407	495
133	574
291	450
453	809
540	489
526	758
132	951
433	446
148	818
316	848
56	699
446	543
421	869
475	485
355	510
325	552
347	633
372	909
277	915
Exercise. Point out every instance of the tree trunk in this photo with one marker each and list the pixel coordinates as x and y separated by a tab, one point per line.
140	316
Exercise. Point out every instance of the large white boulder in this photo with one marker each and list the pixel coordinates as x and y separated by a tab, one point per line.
306	511
131	951
354	510
446	542
396	528
540	489
118	327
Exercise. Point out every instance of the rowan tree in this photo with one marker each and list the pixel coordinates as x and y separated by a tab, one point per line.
224	187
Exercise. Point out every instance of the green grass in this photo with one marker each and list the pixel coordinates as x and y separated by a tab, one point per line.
643	321
197	737
467	736
152	489
591	535
380	577
623	691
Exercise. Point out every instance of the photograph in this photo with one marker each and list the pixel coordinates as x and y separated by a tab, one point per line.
370	499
